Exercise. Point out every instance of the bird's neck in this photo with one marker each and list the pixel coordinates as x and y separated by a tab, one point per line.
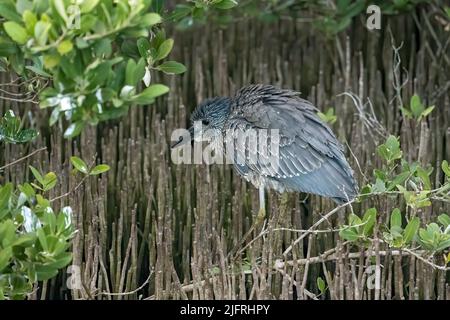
224	112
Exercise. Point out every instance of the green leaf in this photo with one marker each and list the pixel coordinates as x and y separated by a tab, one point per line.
396	218
172	67
164	49
50	180
65	47
88	5
444	219
5	256
60	8
61	261
443	245
5	195
416	106
16	32
7	48
143	46
379	186
42	238
38	71
7	232
130	70
23	5
398	180
411	230
406	112
427	111
45	273
369	220
30	19
127	92
79	164
349	234
328	117
99	169
226	4
150	19
321	285
51	60
423	175
9	12
353	220
139	71
42	201
392	144
11	132
41	29
180	11
37	175
73	130
149	94
445	168
103	48
66	214
390	150
383	152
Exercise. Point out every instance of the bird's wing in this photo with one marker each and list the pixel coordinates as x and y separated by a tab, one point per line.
310	158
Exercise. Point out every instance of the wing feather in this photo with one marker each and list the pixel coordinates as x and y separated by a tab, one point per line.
311	159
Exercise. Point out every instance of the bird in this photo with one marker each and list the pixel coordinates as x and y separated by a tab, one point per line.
310	158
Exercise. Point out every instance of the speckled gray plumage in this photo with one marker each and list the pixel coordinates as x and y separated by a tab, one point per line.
311	158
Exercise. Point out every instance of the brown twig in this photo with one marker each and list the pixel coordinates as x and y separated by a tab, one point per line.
315	225
71	191
23	158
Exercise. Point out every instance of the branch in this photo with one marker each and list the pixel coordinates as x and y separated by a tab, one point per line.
128	292
315	225
23	158
326	256
71	191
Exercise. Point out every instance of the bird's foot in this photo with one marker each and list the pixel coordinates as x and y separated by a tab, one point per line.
261	216
259	220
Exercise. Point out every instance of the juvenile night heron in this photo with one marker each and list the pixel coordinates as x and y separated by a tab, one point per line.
310	158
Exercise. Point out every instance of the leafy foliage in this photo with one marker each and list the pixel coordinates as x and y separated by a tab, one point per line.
359	229
328	116
412	182
330	17
416	109
96	52
187	14
34	240
321	285
11	129
46	182
81	166
436	236
398	237
410	179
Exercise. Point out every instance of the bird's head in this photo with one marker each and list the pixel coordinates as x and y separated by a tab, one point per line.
207	120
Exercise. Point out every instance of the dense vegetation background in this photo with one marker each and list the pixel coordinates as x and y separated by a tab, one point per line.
150	229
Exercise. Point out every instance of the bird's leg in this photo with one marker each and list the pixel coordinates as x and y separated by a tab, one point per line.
262	206
284	205
258	221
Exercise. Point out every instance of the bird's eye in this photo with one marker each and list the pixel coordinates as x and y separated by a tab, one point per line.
205	122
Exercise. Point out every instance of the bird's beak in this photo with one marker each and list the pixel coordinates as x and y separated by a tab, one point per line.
184	139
